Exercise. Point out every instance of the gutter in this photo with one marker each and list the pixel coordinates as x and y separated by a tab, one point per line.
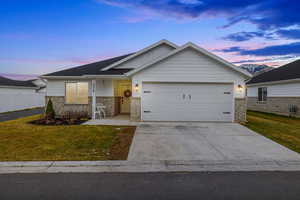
85	77
17	87
274	82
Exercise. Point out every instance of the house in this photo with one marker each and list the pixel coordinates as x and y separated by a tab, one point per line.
162	82
276	91
19	95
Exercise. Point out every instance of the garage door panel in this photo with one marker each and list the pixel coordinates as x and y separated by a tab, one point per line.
187	102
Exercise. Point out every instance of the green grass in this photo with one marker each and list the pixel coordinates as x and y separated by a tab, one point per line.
281	129
21	141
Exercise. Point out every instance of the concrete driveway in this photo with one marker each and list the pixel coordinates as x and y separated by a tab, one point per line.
205	142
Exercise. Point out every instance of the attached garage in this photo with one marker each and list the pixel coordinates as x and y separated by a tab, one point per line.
187	102
188	84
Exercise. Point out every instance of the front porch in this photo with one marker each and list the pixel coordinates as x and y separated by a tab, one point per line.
115	96
118	120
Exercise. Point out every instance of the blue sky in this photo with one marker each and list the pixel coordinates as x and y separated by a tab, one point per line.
38	37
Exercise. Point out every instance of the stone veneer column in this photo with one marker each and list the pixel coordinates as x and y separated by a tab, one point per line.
135	109
240	110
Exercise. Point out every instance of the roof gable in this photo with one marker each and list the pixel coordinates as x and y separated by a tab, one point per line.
140	53
290	71
197	48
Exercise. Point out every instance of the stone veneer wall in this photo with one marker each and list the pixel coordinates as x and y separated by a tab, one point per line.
61	108
276	105
135	109
240	110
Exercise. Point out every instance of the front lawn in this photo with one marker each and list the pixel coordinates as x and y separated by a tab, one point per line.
21	141
281	129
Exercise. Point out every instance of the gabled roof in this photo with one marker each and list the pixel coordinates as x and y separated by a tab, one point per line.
92	69
197	48
290	71
16	83
141	52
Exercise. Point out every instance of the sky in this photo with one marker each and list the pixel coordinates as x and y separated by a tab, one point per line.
38	37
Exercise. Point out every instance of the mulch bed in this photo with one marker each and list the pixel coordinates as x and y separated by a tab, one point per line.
120	148
58	121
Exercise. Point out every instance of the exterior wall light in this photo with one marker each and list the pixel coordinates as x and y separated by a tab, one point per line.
240	87
136	87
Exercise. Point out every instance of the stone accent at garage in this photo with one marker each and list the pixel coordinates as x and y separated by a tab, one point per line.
240	109
135	109
61	108
276	105
111	103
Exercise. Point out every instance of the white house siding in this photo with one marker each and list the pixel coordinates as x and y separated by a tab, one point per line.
12	99
147	56
279	98
277	90
104	87
190	66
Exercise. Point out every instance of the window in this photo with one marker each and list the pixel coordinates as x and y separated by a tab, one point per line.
262	94
77	93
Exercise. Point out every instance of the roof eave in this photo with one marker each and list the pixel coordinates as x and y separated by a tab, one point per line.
17	87
273	82
84	77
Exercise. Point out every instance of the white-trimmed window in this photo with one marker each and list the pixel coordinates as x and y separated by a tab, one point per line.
262	94
77	93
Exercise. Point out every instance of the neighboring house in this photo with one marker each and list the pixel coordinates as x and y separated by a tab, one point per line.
19	95
163	82
276	91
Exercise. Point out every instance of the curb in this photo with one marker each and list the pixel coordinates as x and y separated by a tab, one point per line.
146	166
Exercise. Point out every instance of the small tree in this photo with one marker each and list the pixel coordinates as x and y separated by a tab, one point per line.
50	113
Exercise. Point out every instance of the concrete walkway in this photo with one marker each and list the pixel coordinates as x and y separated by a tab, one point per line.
146	166
19	114
119	120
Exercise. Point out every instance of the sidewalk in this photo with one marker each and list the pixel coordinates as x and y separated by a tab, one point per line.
145	166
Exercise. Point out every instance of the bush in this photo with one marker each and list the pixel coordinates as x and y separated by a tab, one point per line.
75	115
50	113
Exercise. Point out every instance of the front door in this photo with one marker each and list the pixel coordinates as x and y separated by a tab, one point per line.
125	101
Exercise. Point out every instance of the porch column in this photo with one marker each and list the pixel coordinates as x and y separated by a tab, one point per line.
93	99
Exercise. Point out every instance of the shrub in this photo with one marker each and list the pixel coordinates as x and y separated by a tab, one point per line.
75	115
50	113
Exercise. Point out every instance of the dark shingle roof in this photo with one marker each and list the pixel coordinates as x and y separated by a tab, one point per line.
93	68
9	82
285	72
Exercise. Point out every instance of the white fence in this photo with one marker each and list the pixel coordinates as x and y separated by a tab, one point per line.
19	99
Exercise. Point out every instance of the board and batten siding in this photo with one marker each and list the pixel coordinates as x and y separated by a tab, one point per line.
277	90
190	66
13	99
147	56
104	88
